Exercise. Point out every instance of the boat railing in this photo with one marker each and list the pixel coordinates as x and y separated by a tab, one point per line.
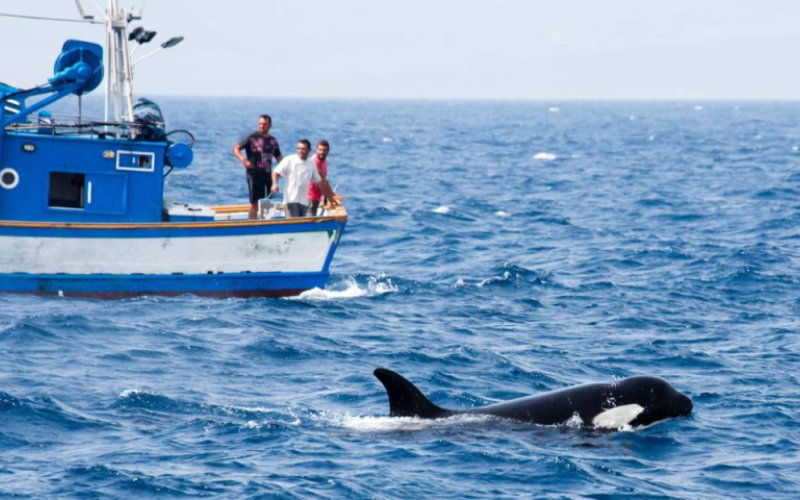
75	126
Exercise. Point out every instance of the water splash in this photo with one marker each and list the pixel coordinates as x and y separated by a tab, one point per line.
375	286
402	424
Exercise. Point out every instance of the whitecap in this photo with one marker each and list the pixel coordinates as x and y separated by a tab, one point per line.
501	213
130	392
554	109
544	156
795	148
442	210
387	139
698	108
249	409
496	279
631	118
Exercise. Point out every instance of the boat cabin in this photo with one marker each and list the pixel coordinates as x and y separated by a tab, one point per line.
69	170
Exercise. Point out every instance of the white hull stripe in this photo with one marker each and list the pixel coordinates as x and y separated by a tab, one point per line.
276	252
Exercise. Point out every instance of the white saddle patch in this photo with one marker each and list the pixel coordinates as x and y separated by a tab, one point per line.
617	417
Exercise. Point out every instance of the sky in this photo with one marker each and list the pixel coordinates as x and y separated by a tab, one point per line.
438	49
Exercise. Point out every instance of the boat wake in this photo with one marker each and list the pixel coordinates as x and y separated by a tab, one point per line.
350	288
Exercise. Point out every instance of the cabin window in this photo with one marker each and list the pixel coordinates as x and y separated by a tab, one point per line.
66	190
136	160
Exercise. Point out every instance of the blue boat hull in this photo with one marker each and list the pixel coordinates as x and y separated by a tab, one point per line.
114	286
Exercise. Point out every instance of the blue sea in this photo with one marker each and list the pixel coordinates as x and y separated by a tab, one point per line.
493	250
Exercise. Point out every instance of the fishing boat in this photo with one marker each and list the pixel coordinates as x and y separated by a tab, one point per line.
82	210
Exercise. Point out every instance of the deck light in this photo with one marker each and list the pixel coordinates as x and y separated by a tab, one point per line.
165	45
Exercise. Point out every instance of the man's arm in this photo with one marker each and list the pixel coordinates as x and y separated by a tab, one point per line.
276	173
274	188
237	152
327	191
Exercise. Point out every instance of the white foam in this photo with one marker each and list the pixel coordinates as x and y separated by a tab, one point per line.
399	424
442	210
574	422
554	109
387	139
544	156
501	213
698	108
249	409
375	286
506	276
130	392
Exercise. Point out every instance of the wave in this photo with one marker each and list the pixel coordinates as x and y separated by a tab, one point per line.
46	418
133	399
511	274
8	402
97	480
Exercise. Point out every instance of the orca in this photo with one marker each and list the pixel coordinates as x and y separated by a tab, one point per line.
630	402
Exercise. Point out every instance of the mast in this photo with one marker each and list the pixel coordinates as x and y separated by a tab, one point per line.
119	83
119	87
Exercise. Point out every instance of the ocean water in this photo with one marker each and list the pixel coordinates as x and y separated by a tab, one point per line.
494	250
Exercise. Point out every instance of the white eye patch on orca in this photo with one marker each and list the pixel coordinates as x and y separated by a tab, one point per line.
617	417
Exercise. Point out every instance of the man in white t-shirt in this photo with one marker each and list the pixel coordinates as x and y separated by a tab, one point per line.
298	170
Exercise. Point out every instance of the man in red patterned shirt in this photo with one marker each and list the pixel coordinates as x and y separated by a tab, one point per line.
320	159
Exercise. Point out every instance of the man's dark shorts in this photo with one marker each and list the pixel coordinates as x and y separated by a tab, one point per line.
259	182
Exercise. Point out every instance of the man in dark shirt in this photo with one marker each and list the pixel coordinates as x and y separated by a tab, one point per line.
259	148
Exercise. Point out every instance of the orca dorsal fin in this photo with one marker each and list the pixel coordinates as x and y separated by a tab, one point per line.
405	400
